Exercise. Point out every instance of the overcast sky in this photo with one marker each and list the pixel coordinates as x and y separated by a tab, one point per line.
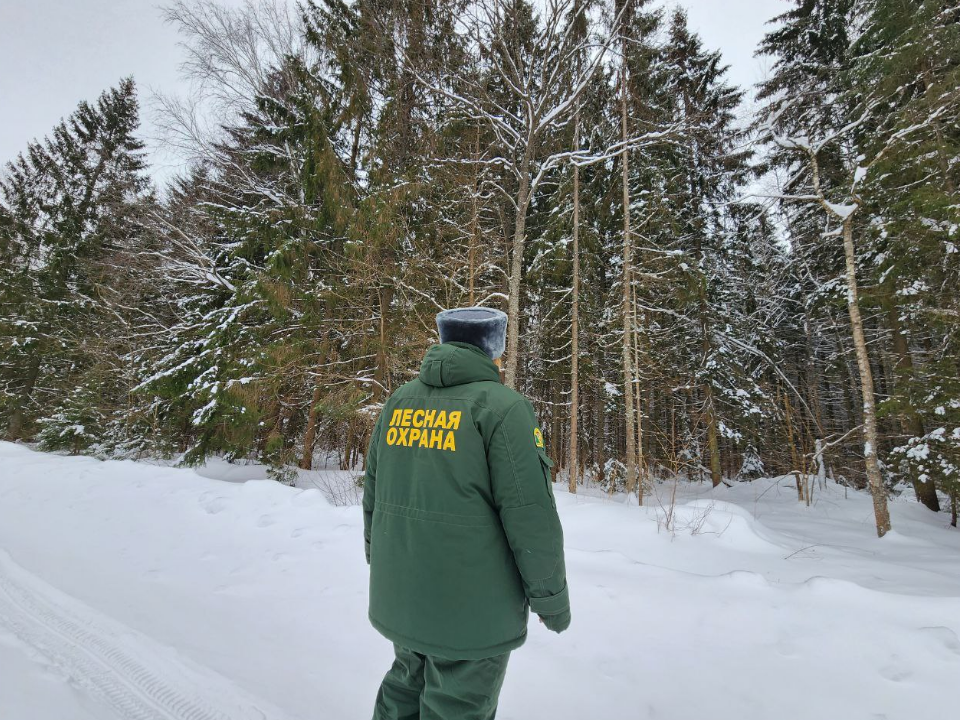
55	53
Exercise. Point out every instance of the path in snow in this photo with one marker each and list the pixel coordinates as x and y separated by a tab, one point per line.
130	590
128	671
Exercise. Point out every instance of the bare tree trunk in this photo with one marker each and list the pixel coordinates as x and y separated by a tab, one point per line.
310	434
674	464
638	397
713	444
709	411
555	426
474	225
812	376
355	149
472	250
631	450
575	324
874	478
653	411
600	433
870	435
516	267
791	440
381	375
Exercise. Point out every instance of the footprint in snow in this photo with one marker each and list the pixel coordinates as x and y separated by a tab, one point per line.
943	637
215	506
896	671
787	647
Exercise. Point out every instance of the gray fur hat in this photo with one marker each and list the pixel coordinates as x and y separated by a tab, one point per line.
484	327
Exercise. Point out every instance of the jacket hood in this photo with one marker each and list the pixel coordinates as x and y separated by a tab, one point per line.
456	363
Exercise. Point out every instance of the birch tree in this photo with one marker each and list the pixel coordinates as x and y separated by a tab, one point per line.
523	92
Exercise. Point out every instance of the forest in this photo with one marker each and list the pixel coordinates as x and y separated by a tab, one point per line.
702	281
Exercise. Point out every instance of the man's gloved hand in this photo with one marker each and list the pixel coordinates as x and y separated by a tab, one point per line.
558	623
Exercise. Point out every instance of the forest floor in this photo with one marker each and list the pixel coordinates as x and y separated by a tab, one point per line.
135	591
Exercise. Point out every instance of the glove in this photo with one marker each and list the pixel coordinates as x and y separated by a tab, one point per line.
557	623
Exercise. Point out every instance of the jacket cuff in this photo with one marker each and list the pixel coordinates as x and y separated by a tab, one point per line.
551	604
366	550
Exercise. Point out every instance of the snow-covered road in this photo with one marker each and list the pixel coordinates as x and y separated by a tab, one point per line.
123	669
141	592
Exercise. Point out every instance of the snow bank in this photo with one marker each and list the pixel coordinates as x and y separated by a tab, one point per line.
248	597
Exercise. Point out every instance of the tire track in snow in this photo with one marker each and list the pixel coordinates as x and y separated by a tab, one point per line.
137	677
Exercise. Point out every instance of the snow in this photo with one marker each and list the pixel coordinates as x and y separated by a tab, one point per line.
920	451
40	692
841	210
611	389
131	590
201	414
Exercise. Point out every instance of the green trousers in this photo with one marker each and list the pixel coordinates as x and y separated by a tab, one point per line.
424	687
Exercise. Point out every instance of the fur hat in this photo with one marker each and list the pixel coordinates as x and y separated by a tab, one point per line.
484	327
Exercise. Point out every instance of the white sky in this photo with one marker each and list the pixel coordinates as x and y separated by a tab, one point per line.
55	53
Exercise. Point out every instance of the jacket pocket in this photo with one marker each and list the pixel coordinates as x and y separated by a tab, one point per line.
545	465
536	544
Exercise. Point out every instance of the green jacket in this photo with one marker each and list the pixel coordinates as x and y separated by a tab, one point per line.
460	522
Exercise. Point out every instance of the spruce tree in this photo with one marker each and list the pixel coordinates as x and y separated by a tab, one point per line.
708	164
905	60
72	204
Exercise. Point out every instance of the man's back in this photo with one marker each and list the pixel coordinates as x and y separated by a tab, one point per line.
460	520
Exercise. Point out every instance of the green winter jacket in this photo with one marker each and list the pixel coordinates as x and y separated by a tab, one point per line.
460	522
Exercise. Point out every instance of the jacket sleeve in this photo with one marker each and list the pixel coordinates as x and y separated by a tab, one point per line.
523	495
370	486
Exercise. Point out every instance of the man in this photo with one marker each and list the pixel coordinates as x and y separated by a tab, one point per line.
461	527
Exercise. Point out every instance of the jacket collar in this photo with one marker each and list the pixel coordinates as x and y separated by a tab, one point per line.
457	363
